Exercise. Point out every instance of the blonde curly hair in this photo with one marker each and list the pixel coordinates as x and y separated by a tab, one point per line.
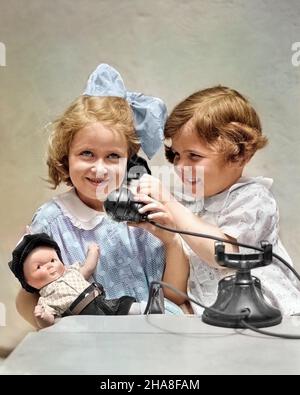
223	119
111	111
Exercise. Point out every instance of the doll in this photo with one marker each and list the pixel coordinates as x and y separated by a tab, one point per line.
63	290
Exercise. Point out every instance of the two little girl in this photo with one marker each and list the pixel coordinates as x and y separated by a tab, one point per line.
214	130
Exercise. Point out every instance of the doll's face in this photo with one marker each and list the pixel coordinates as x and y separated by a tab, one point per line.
42	266
97	163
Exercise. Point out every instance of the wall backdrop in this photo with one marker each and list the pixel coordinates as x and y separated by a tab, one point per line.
167	48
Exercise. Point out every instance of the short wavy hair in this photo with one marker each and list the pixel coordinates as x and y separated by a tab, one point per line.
111	111
223	119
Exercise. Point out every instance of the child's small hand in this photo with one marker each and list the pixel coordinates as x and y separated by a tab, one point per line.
159	214
151	186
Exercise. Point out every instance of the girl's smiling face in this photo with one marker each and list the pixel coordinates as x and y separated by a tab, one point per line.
97	163
198	164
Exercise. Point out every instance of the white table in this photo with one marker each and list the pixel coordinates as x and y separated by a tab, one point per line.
153	345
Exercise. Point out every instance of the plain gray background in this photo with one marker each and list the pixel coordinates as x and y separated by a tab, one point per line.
166	48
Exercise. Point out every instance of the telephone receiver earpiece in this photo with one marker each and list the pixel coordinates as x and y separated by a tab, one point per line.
120	204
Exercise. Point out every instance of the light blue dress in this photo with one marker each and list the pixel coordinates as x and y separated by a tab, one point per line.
130	258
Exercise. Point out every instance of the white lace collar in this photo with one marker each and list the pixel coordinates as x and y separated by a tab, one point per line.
81	216
216	202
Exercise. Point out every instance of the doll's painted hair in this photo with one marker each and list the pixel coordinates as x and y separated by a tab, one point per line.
112	111
223	119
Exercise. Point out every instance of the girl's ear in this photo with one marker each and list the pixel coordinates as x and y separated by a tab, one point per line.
244	161
240	161
238	164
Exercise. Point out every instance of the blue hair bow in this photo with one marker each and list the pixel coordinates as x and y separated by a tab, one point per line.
150	113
